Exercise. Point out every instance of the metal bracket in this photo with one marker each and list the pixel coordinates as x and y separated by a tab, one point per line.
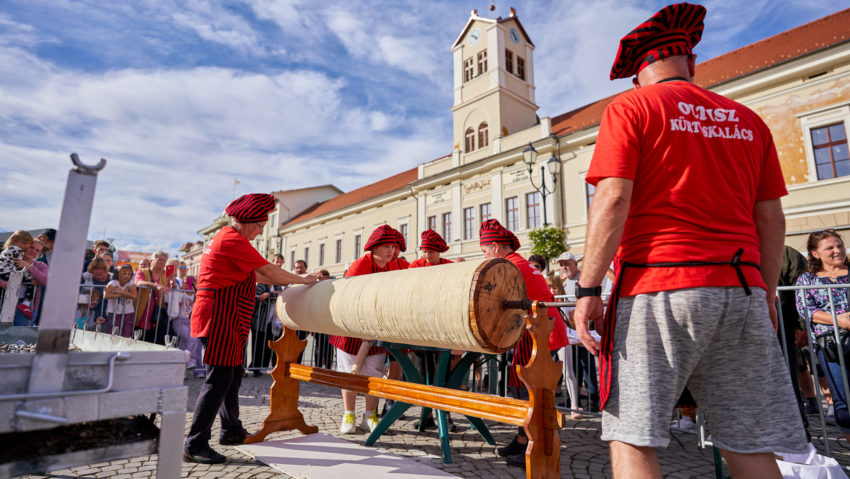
87	169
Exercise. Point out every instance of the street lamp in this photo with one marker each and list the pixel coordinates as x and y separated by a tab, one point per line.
529	155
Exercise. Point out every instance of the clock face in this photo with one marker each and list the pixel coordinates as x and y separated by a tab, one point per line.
514	35
474	36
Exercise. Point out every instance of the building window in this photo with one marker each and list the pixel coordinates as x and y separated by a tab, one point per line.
829	145
520	68
532	210
483	140
447	227
468	223
482	62
432	222
589	190
292	259
307	254
468	70
484	209
338	251
509	61
322	254
512	213
356	246
469	138
403	231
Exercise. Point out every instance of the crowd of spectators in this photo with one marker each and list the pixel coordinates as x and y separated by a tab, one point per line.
24	263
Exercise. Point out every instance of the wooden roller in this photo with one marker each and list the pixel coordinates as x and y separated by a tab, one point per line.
451	306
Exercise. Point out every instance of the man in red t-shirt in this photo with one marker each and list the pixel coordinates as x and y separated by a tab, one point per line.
383	247
687	197
221	317
498	242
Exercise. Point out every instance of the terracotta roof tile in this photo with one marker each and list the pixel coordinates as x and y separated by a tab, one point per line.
797	42
360	194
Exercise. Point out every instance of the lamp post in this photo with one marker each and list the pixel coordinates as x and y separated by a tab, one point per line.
529	155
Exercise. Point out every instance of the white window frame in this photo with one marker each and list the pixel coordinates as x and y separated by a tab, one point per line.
338	257
819	118
585	206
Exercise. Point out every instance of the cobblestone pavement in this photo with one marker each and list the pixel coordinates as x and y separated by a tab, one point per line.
583	455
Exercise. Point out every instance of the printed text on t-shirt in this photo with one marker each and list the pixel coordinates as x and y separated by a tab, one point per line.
701	114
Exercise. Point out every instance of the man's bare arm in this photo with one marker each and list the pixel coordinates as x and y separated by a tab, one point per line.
770	227
605	227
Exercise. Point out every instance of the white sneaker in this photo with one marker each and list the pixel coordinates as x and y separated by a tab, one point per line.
347	426
369	421
685	424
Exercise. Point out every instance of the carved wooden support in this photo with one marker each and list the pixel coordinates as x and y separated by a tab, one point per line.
540	376
283	405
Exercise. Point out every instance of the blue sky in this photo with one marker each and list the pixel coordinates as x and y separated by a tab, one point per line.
183	97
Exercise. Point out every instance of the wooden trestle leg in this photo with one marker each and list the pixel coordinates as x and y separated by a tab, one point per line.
540	376
283	408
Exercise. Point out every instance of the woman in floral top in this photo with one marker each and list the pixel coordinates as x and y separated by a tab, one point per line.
828	265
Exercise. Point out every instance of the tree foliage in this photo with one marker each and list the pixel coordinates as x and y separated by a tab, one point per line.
547	242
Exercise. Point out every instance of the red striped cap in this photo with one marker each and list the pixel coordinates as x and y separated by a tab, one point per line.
493	232
674	30
251	208
385	234
432	241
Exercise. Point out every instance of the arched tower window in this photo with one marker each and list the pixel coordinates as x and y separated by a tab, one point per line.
483	139
469	138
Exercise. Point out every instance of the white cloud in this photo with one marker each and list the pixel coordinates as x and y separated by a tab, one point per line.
175	139
214	23
385	40
576	44
183	97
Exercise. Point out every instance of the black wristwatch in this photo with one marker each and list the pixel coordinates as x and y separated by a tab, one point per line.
582	292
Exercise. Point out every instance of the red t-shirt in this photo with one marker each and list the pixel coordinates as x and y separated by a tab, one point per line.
699	163
228	259
360	266
421	262
535	282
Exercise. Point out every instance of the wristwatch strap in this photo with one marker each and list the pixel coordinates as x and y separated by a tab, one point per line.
582	292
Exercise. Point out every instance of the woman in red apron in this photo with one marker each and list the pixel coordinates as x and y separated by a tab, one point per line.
221	318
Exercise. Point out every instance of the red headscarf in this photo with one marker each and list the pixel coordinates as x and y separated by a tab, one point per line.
251	208
493	232
385	234
674	30
432	241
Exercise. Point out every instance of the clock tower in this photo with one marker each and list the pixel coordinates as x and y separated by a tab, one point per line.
493	85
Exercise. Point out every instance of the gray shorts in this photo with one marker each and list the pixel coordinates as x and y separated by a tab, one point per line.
718	342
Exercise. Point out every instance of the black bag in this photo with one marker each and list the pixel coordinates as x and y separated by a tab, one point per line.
826	343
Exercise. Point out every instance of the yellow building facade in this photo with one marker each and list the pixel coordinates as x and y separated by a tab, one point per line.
798	81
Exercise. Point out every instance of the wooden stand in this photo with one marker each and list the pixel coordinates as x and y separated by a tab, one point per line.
540	376
284	414
537	415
